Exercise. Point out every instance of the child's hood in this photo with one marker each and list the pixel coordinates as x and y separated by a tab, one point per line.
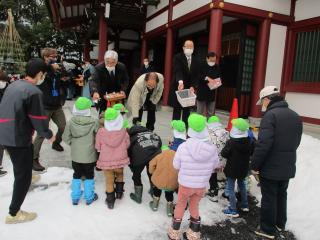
113	138
199	150
81	126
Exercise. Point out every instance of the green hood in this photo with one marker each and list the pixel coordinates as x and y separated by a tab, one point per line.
80	126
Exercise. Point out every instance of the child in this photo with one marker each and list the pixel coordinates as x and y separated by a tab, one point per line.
164	177
80	133
237	152
218	136
122	110
179	134
112	142
195	160
145	145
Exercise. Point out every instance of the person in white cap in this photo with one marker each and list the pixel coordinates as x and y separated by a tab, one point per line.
274	159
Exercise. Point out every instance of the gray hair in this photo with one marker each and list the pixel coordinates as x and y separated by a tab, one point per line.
111	54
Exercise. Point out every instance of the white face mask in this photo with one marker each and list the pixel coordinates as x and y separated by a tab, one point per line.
2	84
110	68
211	64
188	51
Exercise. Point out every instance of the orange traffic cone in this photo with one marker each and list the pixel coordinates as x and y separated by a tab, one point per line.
233	113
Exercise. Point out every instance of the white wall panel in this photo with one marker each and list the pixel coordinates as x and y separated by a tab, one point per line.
157	21
187	6
307	9
152	9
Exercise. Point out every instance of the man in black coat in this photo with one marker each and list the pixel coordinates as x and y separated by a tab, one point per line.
185	75
109	76
274	159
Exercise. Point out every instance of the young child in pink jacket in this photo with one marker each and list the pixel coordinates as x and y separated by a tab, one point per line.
112	142
195	160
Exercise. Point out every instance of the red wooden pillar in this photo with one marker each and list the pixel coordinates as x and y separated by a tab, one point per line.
103	36
215	32
143	49
168	66
260	66
86	49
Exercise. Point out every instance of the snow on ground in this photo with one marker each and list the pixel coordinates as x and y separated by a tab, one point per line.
58	219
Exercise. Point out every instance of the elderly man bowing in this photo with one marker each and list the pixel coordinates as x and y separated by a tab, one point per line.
109	76
147	92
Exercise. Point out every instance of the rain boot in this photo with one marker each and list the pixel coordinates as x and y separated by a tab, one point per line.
111	198
76	191
154	204
119	190
137	195
170	209
193	232
89	193
174	230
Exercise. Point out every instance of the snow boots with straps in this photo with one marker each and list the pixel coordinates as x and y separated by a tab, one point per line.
193	232
89	193
174	230
76	191
137	195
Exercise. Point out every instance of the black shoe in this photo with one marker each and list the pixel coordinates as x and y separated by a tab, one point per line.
2	173
111	198
262	233
37	166
119	190
56	146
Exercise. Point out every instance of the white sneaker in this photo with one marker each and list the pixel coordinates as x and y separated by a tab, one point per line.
20	217
245	209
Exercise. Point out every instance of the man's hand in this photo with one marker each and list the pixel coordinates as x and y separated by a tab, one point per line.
55	66
95	96
123	93
192	89
181	85
255	172
52	139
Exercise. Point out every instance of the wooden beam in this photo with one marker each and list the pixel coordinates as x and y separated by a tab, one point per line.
72	22
68	3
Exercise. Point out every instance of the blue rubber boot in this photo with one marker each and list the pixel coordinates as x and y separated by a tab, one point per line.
76	191
89	193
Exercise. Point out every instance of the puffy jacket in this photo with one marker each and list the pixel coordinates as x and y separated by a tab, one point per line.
164	176
195	161
80	134
144	145
278	140
112	146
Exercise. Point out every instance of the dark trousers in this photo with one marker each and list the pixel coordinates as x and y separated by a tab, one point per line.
177	109
136	177
157	193
151	117
213	182
273	204
21	158
1	154
83	170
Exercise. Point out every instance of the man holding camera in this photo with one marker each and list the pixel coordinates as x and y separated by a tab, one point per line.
52	104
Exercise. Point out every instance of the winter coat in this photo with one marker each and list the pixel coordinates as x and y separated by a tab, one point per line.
80	134
21	113
176	143
219	137
164	176
195	161
113	146
144	70
237	151
279	137
182	72
144	145
203	92
139	92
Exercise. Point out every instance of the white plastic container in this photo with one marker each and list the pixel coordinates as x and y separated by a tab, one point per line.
186	98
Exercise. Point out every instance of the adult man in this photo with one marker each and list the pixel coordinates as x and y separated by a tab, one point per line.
185	75
110	76
147	92
146	67
52	104
21	113
274	159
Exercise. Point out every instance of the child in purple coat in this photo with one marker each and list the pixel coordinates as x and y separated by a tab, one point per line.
195	160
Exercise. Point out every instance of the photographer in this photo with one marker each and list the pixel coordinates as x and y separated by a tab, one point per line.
52	101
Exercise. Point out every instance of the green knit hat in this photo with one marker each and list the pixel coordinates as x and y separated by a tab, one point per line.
111	114
240	124
197	122
178	125
165	147
120	107
83	103
126	124
213	119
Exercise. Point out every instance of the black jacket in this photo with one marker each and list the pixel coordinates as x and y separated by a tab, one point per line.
144	70
22	112
144	145
203	92
278	139
237	151
182	72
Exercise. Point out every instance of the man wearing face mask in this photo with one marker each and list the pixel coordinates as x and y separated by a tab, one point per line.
205	96
109	76
147	92
21	113
274	159
52	101
185	75
146	67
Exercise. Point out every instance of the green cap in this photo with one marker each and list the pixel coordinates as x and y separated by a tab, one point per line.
178	125
213	119
111	114
126	124
165	147
197	122
240	124
120	107
83	103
